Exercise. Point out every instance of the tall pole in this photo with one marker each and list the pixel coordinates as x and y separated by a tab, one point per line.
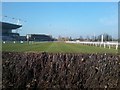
102	39
94	36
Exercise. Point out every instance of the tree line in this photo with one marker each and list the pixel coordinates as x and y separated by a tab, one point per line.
106	37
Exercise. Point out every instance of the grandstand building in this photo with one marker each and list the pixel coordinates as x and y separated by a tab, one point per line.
7	34
39	37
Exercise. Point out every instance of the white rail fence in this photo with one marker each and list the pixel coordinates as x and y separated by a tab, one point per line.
100	44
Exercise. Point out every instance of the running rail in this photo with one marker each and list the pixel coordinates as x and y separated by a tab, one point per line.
105	44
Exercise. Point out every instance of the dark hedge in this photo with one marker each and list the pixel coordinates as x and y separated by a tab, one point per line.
57	71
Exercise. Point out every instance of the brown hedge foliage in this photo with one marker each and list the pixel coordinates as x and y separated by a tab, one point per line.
57	71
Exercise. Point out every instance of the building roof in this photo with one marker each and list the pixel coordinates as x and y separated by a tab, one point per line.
9	26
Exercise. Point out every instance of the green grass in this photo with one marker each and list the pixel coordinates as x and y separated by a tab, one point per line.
55	47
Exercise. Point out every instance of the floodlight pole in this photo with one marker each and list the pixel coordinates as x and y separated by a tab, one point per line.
94	37
102	39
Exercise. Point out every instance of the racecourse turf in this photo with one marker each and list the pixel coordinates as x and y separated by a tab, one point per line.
55	47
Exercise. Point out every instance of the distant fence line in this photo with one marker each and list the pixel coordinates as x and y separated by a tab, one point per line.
100	44
30	42
104	44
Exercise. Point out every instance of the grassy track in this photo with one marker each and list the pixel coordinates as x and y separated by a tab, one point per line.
55	47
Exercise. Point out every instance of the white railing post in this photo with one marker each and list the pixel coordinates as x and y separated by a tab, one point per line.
109	46
100	44
116	47
104	45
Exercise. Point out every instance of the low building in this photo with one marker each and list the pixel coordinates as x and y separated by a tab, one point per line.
39	37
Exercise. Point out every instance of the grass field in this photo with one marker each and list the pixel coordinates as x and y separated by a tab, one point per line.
55	47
